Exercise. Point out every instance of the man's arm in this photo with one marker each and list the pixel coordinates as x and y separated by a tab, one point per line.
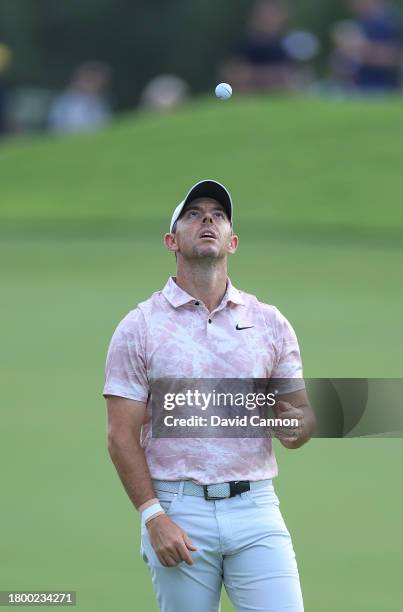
125	419
295	405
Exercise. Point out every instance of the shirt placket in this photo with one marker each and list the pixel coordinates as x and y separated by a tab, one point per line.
211	319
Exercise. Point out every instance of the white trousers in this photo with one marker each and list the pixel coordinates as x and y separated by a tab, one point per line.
242	542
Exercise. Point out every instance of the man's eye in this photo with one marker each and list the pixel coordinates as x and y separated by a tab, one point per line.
193	213
219	214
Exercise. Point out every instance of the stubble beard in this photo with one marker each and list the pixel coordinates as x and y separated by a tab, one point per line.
206	256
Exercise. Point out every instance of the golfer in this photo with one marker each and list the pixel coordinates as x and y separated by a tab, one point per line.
209	512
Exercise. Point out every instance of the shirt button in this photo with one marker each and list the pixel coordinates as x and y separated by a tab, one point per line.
197	303
210	321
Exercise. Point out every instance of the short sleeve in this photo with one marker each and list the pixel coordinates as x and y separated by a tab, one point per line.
125	370
288	364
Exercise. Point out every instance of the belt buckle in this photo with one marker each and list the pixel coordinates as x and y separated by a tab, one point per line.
208	497
237	487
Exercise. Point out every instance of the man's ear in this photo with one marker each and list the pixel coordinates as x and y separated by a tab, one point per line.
233	244
170	242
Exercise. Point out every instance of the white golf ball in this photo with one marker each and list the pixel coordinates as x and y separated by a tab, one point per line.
223	91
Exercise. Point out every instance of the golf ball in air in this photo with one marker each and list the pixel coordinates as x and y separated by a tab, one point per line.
223	91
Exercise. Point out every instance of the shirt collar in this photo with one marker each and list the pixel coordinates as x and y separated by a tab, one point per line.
233	295
178	297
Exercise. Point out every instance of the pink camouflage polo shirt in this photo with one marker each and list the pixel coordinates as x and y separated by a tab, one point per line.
173	335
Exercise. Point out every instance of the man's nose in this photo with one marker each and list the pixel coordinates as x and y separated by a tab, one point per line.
208	218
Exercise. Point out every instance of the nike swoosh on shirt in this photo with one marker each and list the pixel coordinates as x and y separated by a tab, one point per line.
244	327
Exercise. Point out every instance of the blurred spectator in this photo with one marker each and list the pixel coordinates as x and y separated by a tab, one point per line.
380	55
164	92
82	107
5	58
345	60
268	56
28	108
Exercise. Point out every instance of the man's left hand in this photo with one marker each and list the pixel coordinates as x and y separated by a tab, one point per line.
294	405
285	410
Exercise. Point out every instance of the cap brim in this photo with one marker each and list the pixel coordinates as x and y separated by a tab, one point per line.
210	189
204	189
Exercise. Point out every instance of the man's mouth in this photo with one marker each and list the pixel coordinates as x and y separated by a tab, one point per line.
208	234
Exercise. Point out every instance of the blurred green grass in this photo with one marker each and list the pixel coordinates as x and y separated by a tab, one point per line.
307	161
317	189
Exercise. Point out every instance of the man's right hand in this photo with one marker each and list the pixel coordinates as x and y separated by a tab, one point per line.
170	542
125	420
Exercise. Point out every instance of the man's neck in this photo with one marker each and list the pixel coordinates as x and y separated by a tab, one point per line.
207	283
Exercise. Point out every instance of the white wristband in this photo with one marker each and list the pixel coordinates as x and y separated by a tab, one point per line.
149	512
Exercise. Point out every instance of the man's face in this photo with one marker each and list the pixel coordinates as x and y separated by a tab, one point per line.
203	231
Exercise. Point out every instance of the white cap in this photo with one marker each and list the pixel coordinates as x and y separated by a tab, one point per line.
207	188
